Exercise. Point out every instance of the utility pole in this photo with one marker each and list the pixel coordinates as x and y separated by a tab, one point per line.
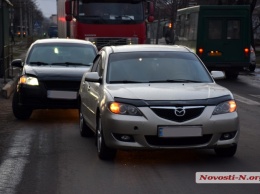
21	19
158	24
26	19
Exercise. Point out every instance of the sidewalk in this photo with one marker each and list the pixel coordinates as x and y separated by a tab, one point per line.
7	85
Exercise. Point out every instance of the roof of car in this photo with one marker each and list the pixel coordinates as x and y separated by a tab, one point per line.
147	47
62	40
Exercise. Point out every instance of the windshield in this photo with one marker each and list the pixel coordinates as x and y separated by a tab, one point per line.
48	54
156	67
111	11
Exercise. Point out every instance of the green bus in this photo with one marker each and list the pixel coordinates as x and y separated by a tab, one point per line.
219	34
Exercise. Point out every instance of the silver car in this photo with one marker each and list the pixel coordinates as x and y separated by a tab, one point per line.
155	97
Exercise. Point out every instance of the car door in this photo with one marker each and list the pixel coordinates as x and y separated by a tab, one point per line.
85	95
91	94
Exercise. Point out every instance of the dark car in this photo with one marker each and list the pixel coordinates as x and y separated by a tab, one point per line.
51	75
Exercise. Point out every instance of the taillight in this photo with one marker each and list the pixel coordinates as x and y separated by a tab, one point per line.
200	51
246	51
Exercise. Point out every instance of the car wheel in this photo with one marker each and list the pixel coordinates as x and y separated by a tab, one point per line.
104	152
226	151
252	68
20	112
85	131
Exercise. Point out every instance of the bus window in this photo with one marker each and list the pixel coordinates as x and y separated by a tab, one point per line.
215	29
233	29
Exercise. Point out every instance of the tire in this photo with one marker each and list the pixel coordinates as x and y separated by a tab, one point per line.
84	130
226	151
20	112
104	152
252	68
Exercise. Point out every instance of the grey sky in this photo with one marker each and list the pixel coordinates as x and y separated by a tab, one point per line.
48	7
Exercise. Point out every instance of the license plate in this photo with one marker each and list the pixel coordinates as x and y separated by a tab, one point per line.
62	94
215	54
179	131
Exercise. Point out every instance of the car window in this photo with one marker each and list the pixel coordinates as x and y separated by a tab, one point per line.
155	66
61	53
97	65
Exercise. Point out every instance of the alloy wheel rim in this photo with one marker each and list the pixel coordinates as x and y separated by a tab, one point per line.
80	121
99	136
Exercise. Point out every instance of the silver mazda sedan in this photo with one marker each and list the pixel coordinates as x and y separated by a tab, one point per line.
155	97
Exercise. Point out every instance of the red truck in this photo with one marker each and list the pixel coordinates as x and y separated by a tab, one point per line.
105	22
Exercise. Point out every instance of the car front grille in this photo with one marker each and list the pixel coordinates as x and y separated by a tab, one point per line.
180	141
62	85
169	113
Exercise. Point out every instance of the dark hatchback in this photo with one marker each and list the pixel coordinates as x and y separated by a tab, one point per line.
51	75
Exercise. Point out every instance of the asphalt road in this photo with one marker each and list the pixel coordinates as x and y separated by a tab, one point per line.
47	155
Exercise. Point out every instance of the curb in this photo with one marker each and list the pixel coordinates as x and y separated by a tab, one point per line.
8	88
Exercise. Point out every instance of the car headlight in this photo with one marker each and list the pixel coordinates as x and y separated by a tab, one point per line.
32	81
124	109
225	107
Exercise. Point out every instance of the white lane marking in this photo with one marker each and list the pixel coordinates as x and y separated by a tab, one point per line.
14	161
246	100
257	96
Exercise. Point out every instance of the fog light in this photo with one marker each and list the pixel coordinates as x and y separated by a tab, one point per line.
226	136
124	137
229	135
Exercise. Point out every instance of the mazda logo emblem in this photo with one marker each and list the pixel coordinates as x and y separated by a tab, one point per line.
179	112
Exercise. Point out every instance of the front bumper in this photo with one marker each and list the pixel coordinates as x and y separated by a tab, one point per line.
38	97
143	130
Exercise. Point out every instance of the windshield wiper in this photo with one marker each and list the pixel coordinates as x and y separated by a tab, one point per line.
124	16
99	18
175	81
125	81
70	63
38	63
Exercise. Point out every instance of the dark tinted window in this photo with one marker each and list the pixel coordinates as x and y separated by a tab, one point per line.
215	29
233	29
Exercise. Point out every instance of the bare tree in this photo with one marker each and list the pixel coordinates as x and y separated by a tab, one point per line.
26	12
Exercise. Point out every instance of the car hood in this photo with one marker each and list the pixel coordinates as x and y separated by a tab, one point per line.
168	91
56	72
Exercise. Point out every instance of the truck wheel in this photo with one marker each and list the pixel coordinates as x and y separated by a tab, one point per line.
226	151
20	112
85	131
104	152
231	75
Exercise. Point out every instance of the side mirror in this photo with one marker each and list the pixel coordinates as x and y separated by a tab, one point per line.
92	77
68	18
17	63
218	74
150	18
